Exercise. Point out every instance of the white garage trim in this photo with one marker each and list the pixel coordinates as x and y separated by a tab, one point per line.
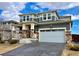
63	28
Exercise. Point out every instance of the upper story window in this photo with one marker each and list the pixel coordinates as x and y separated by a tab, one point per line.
44	16
49	16
53	17
23	18
27	18
40	18
30	17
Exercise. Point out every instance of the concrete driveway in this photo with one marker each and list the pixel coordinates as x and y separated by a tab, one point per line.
38	49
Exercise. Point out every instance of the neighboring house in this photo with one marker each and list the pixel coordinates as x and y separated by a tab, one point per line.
6	29
75	37
49	26
74	42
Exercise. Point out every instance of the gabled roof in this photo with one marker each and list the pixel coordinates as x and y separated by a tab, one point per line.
10	21
75	34
61	17
40	13
27	14
54	22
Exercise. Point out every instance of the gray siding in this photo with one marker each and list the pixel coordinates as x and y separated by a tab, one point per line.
67	25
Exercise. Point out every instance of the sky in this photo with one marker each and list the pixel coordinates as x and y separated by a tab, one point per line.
11	10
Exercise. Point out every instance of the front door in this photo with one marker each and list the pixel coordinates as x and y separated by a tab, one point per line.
28	33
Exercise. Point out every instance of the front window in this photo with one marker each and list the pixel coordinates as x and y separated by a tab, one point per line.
49	16
23	18
27	18
40	18
53	17
30	19
44	16
37	18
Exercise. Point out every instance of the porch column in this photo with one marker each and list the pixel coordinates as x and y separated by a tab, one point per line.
24	31
13	32
32	30
23	27
13	28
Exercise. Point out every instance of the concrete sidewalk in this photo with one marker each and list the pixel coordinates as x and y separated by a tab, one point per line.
8	47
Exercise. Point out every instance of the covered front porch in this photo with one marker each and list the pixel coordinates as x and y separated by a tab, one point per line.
25	30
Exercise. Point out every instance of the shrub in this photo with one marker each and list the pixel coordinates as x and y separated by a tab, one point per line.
13	41
75	47
1	41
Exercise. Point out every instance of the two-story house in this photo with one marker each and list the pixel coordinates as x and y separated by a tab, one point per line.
49	25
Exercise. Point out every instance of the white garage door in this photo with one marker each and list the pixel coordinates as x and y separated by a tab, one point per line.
57	36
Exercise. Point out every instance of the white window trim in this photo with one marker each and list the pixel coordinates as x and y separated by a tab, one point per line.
25	18
47	17
21	17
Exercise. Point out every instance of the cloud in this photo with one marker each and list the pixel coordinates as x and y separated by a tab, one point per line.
58	5
12	5
9	15
11	10
34	7
73	17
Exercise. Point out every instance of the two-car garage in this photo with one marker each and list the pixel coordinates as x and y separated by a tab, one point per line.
52	35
